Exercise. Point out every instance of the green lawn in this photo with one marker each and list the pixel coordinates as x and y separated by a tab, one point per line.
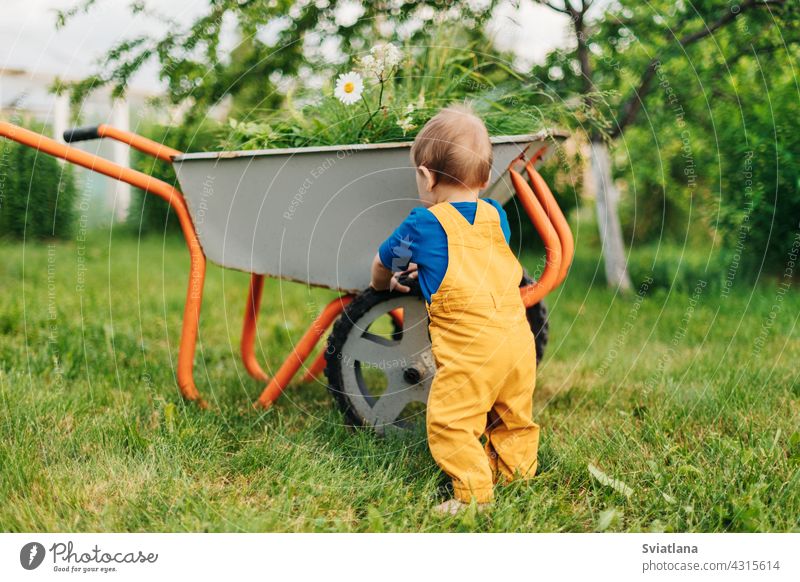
693	403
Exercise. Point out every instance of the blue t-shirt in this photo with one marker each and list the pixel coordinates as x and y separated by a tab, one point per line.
421	239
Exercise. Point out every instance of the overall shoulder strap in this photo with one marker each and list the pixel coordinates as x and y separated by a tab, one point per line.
445	213
486	212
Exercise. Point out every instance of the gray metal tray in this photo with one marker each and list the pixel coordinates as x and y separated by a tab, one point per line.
315	215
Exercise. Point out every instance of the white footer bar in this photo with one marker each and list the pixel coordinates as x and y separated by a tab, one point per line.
400	557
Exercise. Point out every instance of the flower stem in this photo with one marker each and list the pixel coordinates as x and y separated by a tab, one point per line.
380	95
371	115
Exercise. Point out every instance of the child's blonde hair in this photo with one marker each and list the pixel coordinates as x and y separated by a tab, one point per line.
454	145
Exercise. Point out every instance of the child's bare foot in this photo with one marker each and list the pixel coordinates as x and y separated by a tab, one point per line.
454	506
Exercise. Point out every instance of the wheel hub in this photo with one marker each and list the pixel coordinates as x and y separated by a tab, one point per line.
412	375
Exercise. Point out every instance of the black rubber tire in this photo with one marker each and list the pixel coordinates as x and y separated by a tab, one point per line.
537	319
355	310
364	302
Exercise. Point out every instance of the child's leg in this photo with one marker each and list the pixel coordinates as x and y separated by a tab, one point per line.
514	439
456	419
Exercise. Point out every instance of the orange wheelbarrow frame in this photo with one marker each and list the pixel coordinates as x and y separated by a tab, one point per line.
536	199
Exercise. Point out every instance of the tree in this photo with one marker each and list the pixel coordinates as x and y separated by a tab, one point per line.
738	189
622	52
278	41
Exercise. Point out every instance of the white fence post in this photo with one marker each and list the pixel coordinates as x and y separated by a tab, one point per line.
60	116
120	118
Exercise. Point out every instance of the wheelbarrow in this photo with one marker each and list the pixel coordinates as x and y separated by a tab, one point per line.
316	215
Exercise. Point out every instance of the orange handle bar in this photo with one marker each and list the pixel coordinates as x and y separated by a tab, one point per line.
144	145
533	293
549	221
194	295
556	216
105	167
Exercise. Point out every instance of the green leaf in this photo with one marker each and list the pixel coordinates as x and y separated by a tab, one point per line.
690	469
607	518
169	416
604	479
375	520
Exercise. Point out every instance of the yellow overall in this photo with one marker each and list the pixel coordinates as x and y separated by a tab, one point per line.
485	360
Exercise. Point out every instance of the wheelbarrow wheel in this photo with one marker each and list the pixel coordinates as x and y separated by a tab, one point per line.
537	319
380	375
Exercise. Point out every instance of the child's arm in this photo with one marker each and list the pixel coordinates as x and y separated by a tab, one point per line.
383	278
396	252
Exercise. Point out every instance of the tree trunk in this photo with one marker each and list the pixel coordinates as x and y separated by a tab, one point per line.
607	199
605	192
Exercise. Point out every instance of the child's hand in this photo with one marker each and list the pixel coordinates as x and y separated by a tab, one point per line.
411	273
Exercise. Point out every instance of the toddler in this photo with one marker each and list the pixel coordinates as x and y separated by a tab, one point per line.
457	246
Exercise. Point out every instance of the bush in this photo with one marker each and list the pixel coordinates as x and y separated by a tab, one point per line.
676	268
721	172
37	194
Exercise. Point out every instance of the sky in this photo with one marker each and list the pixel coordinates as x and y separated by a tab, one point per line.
29	39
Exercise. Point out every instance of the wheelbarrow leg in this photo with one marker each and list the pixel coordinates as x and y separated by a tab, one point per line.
397	317
249	329
318	366
191	315
302	350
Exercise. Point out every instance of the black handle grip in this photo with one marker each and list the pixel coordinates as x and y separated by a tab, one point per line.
81	133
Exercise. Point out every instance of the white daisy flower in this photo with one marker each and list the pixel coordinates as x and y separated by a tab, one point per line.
349	87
